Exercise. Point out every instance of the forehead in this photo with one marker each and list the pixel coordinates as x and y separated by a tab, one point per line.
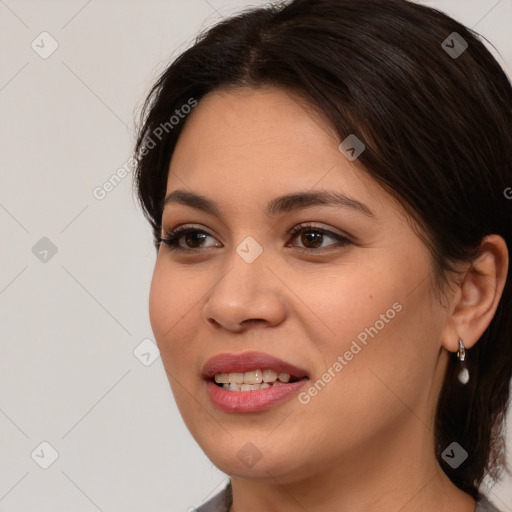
261	124
249	145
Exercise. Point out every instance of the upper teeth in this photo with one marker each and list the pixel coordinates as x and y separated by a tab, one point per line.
254	377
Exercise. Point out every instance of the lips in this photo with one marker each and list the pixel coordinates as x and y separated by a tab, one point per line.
248	362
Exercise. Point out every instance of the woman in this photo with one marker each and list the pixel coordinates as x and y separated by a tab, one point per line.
327	185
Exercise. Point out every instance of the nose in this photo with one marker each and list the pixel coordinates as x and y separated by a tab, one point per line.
247	295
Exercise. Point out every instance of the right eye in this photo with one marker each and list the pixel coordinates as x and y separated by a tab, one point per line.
193	239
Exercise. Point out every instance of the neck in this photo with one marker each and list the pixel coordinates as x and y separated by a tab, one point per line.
397	472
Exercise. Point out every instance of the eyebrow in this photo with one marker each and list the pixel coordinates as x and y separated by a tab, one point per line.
282	204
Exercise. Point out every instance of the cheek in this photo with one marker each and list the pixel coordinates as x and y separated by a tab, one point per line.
161	303
386	330
389	350
349	303
174	304
174	300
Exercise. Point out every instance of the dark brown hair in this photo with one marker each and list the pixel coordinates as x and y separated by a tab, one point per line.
437	129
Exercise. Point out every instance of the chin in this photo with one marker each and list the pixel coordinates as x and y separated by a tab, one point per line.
250	461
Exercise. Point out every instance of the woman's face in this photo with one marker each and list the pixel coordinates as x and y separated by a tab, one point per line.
359	316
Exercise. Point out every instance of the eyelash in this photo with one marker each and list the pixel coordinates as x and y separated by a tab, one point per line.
171	239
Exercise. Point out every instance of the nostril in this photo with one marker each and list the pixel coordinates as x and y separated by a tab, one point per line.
213	322
252	321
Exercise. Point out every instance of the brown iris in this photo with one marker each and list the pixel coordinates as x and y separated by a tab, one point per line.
311	237
194	238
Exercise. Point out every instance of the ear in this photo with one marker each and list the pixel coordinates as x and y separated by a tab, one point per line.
475	302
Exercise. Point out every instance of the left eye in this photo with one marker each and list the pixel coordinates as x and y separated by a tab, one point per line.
312	237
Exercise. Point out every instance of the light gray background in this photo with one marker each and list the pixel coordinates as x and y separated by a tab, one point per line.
70	325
